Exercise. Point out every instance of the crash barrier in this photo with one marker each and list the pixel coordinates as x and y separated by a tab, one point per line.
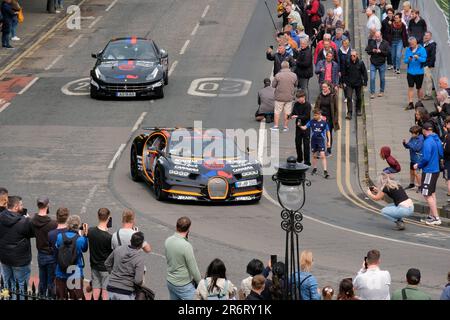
14	292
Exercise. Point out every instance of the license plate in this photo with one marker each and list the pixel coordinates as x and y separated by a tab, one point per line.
246	183
125	94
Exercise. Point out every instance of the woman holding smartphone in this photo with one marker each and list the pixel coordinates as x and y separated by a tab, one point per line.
402	206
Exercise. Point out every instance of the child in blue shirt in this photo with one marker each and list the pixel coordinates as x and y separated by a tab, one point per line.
320	140
415	145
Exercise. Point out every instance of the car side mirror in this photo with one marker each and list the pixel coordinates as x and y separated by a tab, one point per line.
163	53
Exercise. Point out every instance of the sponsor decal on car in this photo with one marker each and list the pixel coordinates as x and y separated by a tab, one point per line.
241	169
186	168
179	173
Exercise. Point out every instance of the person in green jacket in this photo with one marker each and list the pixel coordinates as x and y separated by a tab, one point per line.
182	271
411	291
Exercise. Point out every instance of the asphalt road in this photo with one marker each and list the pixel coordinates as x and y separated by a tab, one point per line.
61	145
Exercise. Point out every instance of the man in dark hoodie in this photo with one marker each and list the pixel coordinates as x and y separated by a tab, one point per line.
126	267
42	225
258	286
394	166
354	77
15	248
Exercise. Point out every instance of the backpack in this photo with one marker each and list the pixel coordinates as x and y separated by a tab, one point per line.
67	252
321	11
222	295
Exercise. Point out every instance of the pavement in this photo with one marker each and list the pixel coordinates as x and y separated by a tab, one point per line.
63	142
37	21
387	124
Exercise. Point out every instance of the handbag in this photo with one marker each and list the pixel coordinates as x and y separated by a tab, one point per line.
143	293
20	16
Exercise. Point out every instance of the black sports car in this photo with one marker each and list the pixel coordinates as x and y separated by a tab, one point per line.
130	67
182	165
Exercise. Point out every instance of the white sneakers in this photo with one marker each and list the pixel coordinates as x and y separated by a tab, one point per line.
15	38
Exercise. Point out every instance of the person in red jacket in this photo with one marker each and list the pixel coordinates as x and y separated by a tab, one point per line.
394	166
313	15
320	46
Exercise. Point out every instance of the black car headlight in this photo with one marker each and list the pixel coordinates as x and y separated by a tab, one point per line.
99	75
153	75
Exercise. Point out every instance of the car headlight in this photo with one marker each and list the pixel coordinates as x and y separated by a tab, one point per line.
246	183
152	75
99	74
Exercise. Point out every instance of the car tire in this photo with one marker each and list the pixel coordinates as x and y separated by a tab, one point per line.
134	171
158	186
94	93
166	79
160	92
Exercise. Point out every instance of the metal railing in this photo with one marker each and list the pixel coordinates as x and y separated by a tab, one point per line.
15	292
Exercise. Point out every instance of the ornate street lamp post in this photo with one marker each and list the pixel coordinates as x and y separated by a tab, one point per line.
291	180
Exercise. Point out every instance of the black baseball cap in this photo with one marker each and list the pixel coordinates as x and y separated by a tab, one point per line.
427	126
413	276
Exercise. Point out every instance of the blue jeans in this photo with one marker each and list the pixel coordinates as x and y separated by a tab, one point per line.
364	4
13	274
396	52
389	170
186	292
13	28
395	213
6	36
58	3
47	267
382	70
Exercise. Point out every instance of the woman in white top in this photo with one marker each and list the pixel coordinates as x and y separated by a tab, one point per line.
216	286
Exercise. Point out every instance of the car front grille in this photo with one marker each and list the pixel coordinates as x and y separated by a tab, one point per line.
126	87
217	188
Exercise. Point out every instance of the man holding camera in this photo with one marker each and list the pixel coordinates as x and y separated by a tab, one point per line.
99	250
70	262
372	283
123	235
15	247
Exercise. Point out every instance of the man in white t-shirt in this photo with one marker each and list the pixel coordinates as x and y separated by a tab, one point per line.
371	283
338	12
123	235
372	21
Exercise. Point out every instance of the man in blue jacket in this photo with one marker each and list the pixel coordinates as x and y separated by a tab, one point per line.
8	15
432	153
415	58
70	281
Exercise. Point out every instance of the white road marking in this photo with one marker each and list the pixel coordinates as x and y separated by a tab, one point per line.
4	107
138	122
183	50
28	86
172	67
205	11
75	41
152	101
54	62
219	87
268	197
83	81
195	29
88	199
158	255
95	21
111	164
111	5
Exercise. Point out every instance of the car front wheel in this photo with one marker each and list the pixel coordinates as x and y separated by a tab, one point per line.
158	186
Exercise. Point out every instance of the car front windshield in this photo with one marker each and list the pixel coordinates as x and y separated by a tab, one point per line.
204	147
129	50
